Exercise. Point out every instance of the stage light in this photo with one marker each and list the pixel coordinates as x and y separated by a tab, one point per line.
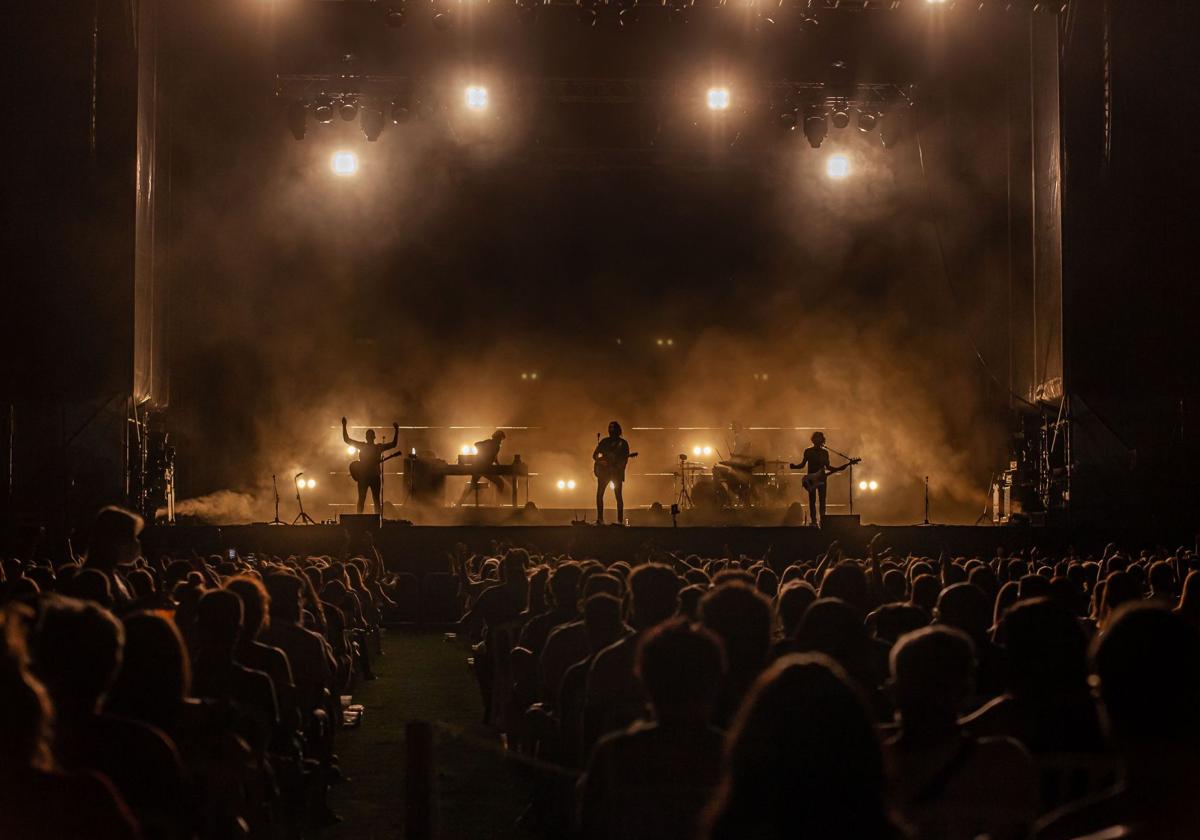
562	485
670	342
570	484
372	123
936	2
696	450
348	110
351	450
867	120
533	375
837	167
841	117
708	450
468	449
312	482
297	116
476	97
718	99
862	485
344	163
816	127
874	485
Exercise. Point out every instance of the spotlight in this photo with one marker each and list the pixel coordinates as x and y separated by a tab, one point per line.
312	482
372	123
297	114
862	485
323	110
708	450
718	99
570	484
696	450
351	450
787	120
873	484
837	167
344	163
841	117
867	120
562	485
533	375
348	110
815	125
400	112
476	97
468	449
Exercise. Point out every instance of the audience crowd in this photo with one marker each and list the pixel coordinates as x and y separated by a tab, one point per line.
722	697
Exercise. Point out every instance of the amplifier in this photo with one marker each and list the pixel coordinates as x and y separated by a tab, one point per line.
842	520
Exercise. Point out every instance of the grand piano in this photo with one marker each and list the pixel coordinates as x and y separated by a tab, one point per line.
425	476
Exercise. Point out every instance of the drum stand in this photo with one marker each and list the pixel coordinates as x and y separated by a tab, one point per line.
684	500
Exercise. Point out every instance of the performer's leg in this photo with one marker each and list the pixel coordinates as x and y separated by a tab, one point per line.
617	488
822	491
375	495
812	506
600	485
362	495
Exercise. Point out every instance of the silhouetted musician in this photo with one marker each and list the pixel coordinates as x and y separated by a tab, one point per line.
487	453
366	470
610	457
816	459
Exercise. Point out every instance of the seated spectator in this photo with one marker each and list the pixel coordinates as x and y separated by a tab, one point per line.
1047	705
253	653
564	595
741	617
653	780
38	800
603	627
1148	667
945	780
803	760
76	654
615	698
309	656
568	643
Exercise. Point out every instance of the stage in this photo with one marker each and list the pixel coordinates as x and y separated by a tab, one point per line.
423	548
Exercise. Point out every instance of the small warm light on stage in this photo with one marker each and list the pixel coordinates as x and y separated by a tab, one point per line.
312	482
718	99
702	450
837	166
351	450
344	163
566	484
476	97
871	485
468	449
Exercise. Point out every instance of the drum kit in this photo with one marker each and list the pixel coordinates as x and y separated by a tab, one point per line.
737	482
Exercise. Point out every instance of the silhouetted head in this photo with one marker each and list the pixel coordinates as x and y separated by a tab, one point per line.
818	438
25	737
742	617
793	601
1046	650
255	604
602	621
370	435
803	759
654	594
76	652
614	429
219	621
891	621
498	435
834	628
564	585
155	674
933	671
681	667
113	540
512	567
284	596
848	582
965	607
925	592
1148	665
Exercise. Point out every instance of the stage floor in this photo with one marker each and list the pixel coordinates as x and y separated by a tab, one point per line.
422	548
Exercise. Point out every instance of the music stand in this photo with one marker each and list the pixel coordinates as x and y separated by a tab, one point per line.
301	517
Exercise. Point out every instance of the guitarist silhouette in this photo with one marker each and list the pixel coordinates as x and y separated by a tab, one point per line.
609	459
366	470
816	459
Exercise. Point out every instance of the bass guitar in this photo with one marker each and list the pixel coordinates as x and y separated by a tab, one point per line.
817	479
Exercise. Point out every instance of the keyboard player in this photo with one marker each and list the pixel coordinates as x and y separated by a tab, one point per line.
487	454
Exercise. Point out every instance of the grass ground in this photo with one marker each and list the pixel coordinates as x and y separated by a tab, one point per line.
480	793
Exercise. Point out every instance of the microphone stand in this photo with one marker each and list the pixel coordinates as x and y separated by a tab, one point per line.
301	516
275	487
850	471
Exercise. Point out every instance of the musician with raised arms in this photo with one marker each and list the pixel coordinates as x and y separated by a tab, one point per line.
367	469
609	459
816	459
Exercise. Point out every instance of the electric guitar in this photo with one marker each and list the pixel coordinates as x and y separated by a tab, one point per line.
604	468
815	480
359	472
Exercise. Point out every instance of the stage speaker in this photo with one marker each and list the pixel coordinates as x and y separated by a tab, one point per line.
357	523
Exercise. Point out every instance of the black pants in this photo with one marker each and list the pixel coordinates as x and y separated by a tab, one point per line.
373	485
601	485
813	494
